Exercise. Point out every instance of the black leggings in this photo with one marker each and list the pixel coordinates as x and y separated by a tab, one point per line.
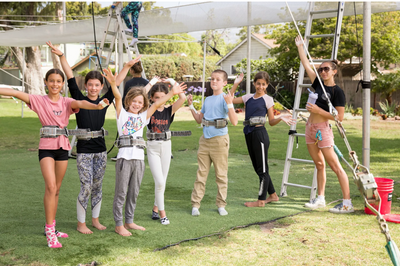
257	145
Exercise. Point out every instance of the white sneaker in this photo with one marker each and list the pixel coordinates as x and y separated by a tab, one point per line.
315	204
164	221
134	40
195	211
222	211
340	208
128	31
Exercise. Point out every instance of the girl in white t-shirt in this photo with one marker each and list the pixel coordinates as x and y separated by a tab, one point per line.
129	167
258	105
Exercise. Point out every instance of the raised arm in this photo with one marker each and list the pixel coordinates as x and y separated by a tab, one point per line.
122	74
304	59
117	95
181	100
236	83
176	89
64	64
231	111
14	93
197	116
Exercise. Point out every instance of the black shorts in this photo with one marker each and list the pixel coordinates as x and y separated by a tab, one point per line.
57	155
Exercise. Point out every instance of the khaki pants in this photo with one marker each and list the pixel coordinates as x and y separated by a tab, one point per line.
214	150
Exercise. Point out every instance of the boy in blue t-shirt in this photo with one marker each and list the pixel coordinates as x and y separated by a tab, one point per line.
214	144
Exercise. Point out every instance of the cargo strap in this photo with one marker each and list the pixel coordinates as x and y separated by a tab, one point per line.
125	141
166	135
255	120
217	123
82	134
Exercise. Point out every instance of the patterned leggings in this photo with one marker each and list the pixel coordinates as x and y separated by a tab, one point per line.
132	8
91	169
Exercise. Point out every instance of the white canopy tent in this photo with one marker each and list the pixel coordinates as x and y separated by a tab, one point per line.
200	17
186	18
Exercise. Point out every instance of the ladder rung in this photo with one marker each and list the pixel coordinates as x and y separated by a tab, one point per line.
301	110
297	185
320	36
112	33
305	85
298	134
323	11
300	160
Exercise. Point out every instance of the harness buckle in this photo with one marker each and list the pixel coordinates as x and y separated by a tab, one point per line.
49	132
221	123
257	120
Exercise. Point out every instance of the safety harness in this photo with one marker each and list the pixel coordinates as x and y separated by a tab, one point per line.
217	123
81	134
126	141
166	135
255	120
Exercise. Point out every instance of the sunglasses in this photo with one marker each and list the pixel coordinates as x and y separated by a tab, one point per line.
325	69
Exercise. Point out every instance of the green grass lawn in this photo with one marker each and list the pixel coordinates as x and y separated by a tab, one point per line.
309	238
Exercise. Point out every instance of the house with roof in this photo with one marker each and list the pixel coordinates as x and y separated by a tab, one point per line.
259	48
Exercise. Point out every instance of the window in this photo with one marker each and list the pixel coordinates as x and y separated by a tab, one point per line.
234	71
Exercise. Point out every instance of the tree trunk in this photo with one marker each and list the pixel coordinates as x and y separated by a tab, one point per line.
33	76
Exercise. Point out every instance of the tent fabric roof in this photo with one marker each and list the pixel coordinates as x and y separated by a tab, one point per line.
187	18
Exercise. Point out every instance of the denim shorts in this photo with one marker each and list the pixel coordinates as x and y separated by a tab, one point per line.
326	134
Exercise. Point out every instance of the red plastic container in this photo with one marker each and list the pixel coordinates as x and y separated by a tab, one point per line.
385	190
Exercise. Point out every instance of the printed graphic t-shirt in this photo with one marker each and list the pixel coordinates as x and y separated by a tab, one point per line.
52	114
161	121
131	124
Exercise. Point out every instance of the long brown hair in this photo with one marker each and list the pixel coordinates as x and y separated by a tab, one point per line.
132	94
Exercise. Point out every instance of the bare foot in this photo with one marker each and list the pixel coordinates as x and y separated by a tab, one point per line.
121	230
155	208
134	227
97	224
271	198
258	203
82	228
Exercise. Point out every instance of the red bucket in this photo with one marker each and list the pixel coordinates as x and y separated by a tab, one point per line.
385	189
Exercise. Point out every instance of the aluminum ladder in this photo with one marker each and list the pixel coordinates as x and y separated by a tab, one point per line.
116	32
299	88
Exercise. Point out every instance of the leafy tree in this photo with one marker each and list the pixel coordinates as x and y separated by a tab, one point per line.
386	85
385	40
254	29
270	65
215	38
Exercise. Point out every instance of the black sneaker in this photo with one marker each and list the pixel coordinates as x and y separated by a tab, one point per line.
155	216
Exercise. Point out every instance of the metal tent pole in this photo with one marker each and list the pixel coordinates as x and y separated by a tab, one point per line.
248	70
65	45
366	77
23	81
204	68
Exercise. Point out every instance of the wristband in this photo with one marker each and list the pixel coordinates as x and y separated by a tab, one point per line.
103	103
153	81
171	81
230	105
191	107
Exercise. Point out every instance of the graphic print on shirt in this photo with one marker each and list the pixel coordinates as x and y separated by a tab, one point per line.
57	113
158	125
134	124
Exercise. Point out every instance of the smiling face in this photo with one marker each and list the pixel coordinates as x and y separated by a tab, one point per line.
136	105
261	85
93	88
54	83
326	71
